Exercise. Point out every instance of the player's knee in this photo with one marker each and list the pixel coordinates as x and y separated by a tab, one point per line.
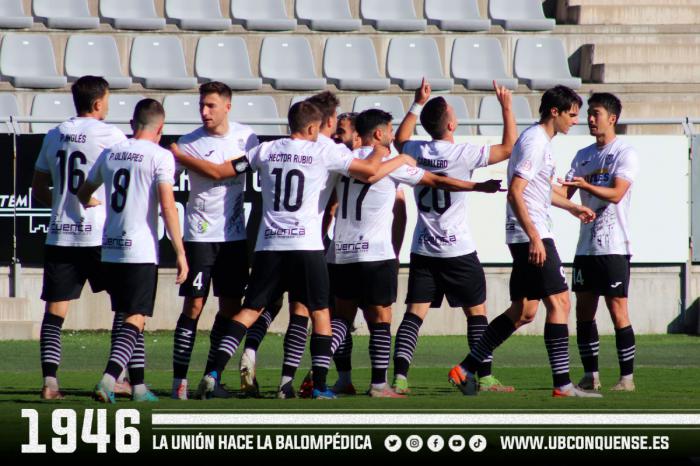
193	308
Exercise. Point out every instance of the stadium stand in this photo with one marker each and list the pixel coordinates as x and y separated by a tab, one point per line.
95	55
225	59
131	14
51	105
351	64
8	105
388	103
202	15
65	14
28	60
461	112
12	15
256	106
391	15
327	15
456	15
521	15
478	61
287	63
158	62
121	107
490	109
424	62
262	15
541	63
181	107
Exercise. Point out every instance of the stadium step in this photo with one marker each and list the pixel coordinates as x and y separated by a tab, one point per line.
16	322
633	14
637	73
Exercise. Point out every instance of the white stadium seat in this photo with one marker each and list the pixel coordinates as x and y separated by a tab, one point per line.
12	15
58	106
456	15
351	64
541	63
225	59
181	107
158	62
95	55
490	109
28	61
65	14
478	61
391	15
256	106
388	103
286	62
327	15
131	14
411	58
202	15
121	106
262	15
520	15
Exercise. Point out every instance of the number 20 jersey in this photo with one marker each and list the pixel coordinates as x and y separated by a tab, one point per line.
443	226
67	154
131	172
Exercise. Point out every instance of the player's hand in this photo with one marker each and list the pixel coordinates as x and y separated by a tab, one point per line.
576	182
177	152
583	213
423	92
490	186
537	253
408	160
93	202
504	96
182	269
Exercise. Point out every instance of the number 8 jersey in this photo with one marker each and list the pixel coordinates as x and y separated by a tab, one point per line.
68	153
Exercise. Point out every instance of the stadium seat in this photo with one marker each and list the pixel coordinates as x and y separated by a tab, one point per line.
411	58
65	14
461	112
581	130
8	108
327	15
158	62
391	15
286	62
520	15
245	107
58	106
121	107
131	14
541	63
490	109
225	58
388	103
202	15
351	64
456	15
477	61
95	55
299	98
181	107
12	15
28	61
262	15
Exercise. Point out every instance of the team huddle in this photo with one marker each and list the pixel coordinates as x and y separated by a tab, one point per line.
333	220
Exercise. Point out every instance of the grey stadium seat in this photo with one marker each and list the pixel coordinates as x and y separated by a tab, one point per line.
262	15
225	58
456	15
65	14
287	63
131	14
12	15
541	63
581	130
520	15
202	15
95	55
8	108
327	15
391	15
28	61
490	109
121	107
299	98
388	103
477	61
411	58
58	106
351	64
158	62
245	107
461	112
181	107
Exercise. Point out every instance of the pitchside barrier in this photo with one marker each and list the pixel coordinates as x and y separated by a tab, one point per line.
665	281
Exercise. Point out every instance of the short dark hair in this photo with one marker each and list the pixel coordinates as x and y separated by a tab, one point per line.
146	113
608	101
86	90
301	114
433	117
215	87
367	121
326	101
560	97
350	116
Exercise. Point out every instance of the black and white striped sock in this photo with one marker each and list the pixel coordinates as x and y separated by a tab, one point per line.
233	334
50	344
626	349
588	345
258	330
556	339
406	342
217	330
122	349
294	344
320	359
379	351
183	344
476	326
340	328
342	357
137	363
498	331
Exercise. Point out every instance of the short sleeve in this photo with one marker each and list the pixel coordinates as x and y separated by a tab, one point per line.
251	142
412	148
528	160
95	177
475	156
407	174
165	169
628	165
42	161
114	136
254	155
337	158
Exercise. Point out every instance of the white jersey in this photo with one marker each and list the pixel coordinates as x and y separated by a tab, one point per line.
609	233
293	178
365	214
214	210
68	153
132	171
532	160
443	225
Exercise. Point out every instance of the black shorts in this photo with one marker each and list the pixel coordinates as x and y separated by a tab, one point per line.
67	268
532	282
607	275
369	283
132	287
461	279
224	263
304	274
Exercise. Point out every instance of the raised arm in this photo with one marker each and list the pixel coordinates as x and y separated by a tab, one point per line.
408	125
502	151
204	167
172	225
